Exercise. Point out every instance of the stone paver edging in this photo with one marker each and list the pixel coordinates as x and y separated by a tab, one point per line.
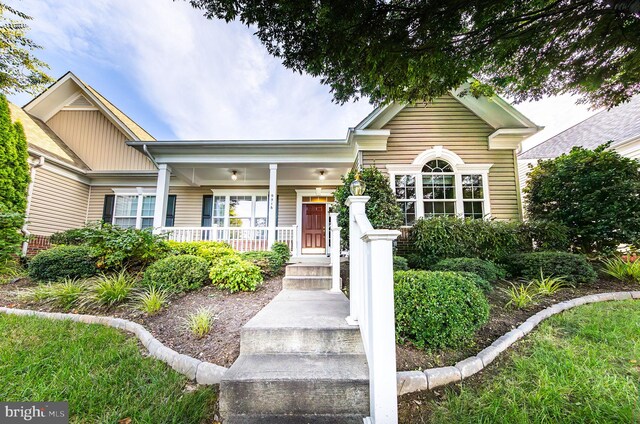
415	381
200	371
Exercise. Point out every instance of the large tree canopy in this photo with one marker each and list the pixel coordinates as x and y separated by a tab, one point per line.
408	50
19	69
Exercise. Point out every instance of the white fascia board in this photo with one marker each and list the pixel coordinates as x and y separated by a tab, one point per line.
380	116
509	138
58	162
370	140
621	143
209	158
253	183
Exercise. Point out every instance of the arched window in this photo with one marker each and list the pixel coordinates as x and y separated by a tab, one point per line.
439	183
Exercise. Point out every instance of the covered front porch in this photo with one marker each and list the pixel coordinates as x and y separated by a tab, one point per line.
250	198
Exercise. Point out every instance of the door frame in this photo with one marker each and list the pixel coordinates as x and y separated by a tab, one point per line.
300	193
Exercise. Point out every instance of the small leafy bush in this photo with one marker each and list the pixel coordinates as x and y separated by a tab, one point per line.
212	253
177	274
622	269
574	268
152	300
282	250
485	269
269	262
111	290
417	261
200	322
66	294
63	262
233	273
436	309
520	296
193	247
480	282
115	247
400	263
548	285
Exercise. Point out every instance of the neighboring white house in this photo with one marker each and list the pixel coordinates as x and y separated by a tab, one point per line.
620	124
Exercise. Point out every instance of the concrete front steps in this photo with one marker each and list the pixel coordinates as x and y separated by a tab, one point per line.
307	277
300	362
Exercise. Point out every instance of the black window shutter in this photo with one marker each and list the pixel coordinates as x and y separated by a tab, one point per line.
107	209
207	209
171	211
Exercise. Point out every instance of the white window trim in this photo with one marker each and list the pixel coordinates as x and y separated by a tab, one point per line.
141	193
227	193
460	168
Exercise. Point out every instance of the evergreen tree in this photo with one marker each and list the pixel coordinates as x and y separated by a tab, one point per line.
14	182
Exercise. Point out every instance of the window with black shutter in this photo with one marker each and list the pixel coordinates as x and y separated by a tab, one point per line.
171	211
207	209
107	209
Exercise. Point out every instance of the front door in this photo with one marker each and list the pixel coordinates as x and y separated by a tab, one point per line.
314	221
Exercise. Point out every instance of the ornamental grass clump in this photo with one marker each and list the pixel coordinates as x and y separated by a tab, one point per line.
200	322
622	269
548	285
520	296
436	309
66	294
111	290
152	300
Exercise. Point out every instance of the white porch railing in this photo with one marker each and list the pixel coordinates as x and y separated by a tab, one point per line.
242	239
372	307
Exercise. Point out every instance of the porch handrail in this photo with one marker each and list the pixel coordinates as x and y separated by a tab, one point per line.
242	239
372	307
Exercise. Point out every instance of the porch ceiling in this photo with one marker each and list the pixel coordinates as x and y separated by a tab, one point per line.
250	174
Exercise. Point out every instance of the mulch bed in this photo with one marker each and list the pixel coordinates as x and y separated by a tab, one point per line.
501	320
221	346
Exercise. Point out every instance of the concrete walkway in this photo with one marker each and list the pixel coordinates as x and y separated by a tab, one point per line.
300	362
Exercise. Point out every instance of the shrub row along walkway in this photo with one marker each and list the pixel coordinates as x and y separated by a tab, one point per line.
194	369
414	381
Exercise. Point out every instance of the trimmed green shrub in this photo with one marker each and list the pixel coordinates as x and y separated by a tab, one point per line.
177	274
400	263
213	252
574	268
193	247
547	235
593	192
451	237
485	269
282	250
269	262
436	309
480	282
382	209
72	237
63	262
233	273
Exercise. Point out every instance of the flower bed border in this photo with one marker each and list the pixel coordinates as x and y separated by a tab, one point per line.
202	372
429	379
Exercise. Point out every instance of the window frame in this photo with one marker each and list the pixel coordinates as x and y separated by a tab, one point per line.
459	169
227	194
140	193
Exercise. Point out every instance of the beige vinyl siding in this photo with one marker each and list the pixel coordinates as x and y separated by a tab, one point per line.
99	143
58	203
189	204
446	122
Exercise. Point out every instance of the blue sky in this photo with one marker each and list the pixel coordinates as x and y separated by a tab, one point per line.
181	76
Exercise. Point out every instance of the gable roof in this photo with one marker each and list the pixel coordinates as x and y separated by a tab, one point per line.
65	89
42	139
616	124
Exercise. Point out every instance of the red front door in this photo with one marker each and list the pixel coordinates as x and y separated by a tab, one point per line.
314	218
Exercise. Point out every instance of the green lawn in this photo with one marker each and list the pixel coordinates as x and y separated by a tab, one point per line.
98	370
582	366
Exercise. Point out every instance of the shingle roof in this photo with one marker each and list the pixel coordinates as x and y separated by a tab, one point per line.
42	139
617	124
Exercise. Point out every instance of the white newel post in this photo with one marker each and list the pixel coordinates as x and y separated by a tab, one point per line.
335	253
162	196
381	334
273	199
356	206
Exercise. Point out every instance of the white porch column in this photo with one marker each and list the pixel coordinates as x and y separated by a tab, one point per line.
162	196
273	200
335	253
356	205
